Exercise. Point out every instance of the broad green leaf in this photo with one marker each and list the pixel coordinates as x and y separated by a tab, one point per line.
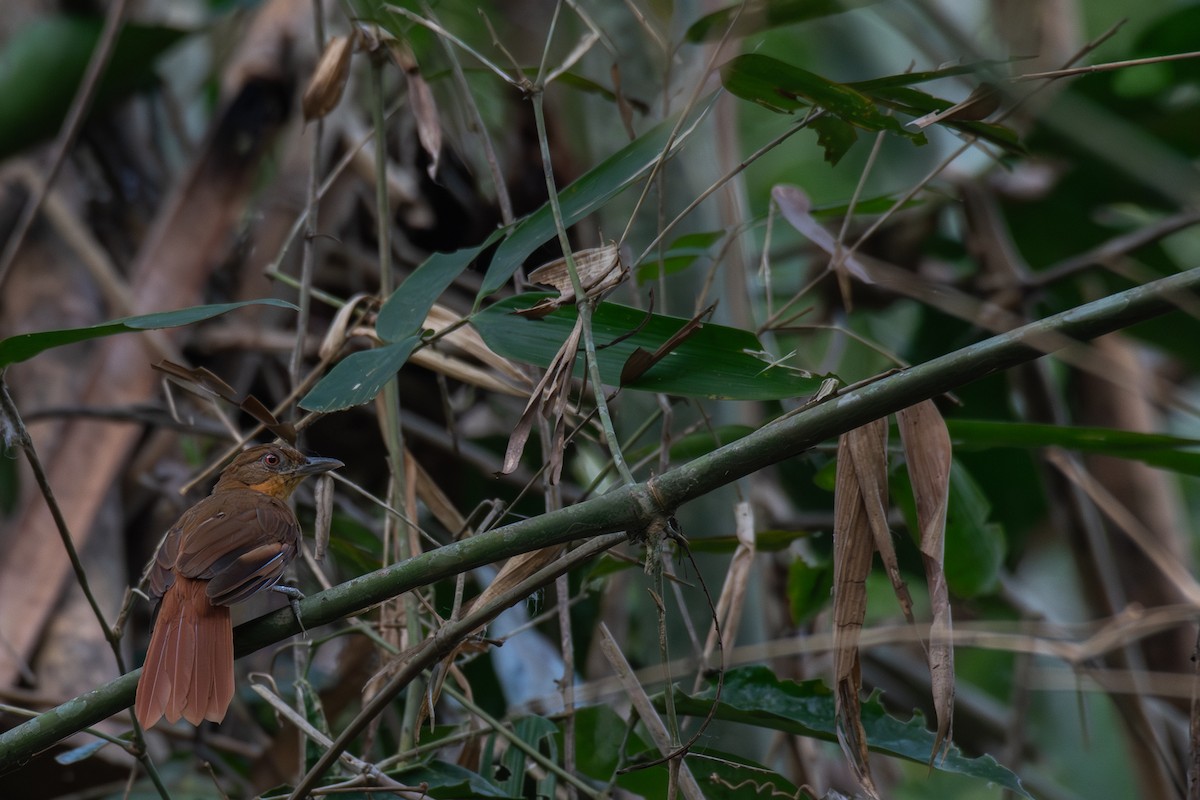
680	255
359	377
716	361
785	88
975	544
404	312
27	345
600	735
585	195
809	583
1158	450
760	15
754	696
42	64
834	136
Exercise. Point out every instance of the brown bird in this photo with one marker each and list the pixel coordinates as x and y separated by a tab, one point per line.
230	545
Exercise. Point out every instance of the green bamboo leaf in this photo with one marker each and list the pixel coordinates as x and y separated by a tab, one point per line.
42	64
1156	449
404	312
785	88
716	361
760	15
809	583
834	136
754	696
27	345
585	195
679	255
359	376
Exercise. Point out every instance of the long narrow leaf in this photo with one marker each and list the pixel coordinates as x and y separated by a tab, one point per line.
27	345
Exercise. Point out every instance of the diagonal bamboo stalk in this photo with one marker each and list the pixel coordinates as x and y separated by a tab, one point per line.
634	507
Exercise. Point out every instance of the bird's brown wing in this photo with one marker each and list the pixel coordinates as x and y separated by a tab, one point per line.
240	543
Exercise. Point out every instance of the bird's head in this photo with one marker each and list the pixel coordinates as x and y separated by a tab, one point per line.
274	469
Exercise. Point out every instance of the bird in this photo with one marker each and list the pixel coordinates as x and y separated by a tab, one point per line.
232	544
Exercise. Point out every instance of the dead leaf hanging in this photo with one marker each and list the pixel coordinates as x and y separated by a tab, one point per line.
928	451
853	545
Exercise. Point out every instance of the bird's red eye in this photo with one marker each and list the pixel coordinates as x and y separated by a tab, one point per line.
271	459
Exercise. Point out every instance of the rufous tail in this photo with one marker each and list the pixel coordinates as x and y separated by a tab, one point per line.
189	665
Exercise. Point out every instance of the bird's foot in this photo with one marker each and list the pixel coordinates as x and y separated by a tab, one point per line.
294	597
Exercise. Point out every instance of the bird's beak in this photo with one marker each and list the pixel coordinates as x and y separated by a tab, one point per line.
315	464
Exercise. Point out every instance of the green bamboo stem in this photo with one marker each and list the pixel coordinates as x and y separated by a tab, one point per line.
635	506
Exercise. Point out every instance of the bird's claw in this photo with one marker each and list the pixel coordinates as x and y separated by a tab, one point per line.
294	597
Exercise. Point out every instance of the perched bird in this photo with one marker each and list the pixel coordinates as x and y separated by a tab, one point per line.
230	545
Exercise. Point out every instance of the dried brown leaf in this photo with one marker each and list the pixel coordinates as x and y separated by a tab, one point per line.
197	378
599	269
867	448
623	106
328	81
549	398
640	361
323	506
796	208
424	107
853	546
928	451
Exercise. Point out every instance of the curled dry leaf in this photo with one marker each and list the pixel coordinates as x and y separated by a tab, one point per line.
853	545
928	451
344	324
323	507
328	81
599	268
424	107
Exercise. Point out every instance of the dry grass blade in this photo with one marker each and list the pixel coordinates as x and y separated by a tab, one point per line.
645	709
867	448
737	579
853	545
928	451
